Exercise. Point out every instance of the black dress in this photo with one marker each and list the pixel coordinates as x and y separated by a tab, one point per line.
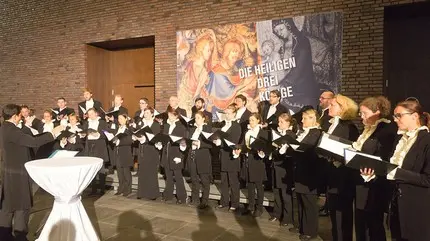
149	161
410	209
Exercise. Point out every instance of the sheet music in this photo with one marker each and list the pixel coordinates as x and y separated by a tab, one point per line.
207	135
175	138
332	146
149	136
63	153
186	118
56	112
351	153
83	109
33	131
275	135
229	143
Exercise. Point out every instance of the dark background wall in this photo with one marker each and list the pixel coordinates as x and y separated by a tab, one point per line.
43	43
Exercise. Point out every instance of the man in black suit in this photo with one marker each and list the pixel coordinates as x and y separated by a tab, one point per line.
173	106
270	115
242	114
62	112
112	124
325	99
199	105
28	119
16	196
89	103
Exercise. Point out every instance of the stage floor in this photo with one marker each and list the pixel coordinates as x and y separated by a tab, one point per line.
215	194
117	218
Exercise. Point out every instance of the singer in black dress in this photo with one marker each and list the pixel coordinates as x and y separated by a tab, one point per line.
148	158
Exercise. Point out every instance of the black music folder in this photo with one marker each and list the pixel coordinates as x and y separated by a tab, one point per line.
359	160
113	113
218	134
330	145
278	140
259	144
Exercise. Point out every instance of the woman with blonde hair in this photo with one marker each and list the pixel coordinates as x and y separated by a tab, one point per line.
372	195
341	185
306	175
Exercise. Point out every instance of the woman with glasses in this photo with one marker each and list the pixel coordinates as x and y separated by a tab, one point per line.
372	196
410	209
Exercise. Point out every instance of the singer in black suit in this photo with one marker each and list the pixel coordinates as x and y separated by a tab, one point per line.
173	159
341	183
88	103
230	166
242	114
283	178
274	110
199	159
62	111
410	212
96	146
306	176
254	164
373	196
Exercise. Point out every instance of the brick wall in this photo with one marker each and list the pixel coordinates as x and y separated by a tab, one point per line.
42	43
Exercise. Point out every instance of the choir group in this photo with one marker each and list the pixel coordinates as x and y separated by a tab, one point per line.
268	149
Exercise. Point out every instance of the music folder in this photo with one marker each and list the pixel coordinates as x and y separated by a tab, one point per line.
330	145
113	113
218	134
261	145
359	160
63	153
65	134
278	140
142	131
160	137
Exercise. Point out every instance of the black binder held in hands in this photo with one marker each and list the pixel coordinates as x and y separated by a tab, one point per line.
113	113
218	134
261	145
331	146
66	134
142	131
160	137
279	140
359	160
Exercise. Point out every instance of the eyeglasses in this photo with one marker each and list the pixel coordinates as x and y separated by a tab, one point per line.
400	115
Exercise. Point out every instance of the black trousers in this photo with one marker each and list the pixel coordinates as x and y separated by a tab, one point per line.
174	177
230	190
369	225
308	213
251	195
341	215
196	179
99	182
283	205
124	178
20	220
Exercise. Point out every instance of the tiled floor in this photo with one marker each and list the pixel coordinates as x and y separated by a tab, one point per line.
128	219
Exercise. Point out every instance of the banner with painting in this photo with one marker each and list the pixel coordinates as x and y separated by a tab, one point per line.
299	56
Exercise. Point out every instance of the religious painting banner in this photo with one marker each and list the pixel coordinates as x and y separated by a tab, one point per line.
299	56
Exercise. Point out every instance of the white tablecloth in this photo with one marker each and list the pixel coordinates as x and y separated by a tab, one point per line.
66	179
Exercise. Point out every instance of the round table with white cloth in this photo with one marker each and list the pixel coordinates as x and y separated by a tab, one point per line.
65	179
